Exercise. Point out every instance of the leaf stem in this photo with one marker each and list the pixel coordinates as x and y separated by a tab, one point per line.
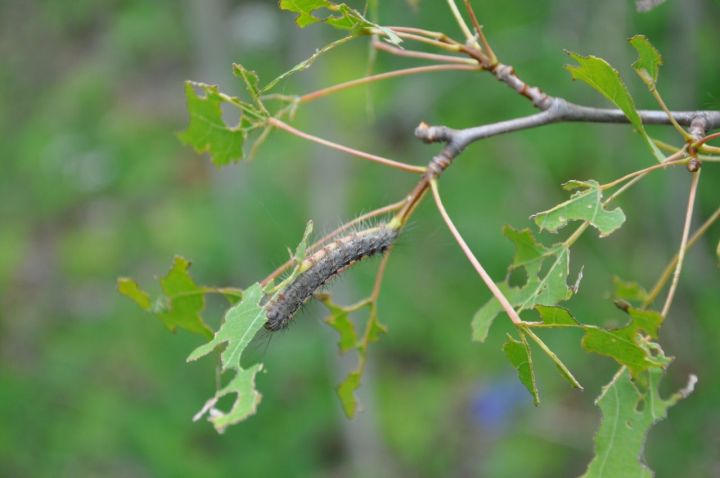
378	45
469	37
656	94
481	36
556	360
384	76
683	243
667	272
360	154
674	160
509	310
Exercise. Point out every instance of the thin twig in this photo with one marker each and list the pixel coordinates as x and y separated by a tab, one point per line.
507	307
443	44
379	277
378	45
384	76
656	94
667	272
683	243
339	147
481	36
674	160
469	37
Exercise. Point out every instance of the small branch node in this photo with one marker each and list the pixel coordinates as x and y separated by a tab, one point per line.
433	134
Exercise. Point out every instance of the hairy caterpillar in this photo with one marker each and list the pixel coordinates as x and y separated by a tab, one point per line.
322	266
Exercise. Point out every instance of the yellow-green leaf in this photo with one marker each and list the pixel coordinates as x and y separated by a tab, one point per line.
346	392
131	289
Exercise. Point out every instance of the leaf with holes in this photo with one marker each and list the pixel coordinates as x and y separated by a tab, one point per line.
247	399
628	413
584	205
548	288
242	322
606	80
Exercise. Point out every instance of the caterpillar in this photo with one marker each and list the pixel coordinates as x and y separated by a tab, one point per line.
321	266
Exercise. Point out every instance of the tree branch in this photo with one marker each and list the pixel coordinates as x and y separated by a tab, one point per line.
558	111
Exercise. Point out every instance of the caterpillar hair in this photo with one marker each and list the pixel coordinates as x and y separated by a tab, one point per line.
324	264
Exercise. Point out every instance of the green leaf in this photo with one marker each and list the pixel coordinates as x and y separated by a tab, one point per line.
131	289
628	413
339	16
625	344
242	322
182	302
518	352
346	392
247	399
629	291
606	80
553	315
207	132
483	319
548	289
649	60
339	319
584	205
185	300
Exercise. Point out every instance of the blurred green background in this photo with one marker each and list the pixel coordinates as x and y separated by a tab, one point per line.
95	185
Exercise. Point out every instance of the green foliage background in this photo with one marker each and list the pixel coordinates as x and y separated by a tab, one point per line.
95	185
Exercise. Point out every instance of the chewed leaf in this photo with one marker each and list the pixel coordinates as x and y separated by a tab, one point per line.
346	392
246	401
518	352
339	319
548	289
584	205
181	304
186	300
649	60
606	80
337	15
132	290
207	132
628	413
629	291
242	322
625	345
